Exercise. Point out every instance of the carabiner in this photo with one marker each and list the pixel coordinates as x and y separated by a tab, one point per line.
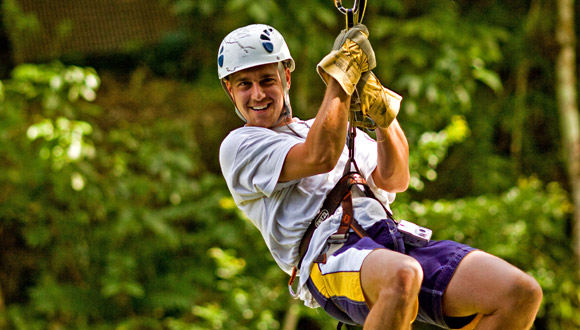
353	15
291	281
338	5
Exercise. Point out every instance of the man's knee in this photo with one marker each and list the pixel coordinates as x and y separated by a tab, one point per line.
410	275
406	281
390	275
526	291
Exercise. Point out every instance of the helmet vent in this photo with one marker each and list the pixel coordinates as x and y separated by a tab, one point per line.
268	46
221	57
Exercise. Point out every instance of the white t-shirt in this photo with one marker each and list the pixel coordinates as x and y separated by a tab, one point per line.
251	159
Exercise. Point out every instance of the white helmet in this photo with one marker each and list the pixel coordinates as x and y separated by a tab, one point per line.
251	46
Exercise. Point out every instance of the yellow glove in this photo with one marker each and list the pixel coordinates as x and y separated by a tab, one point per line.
351	55
374	101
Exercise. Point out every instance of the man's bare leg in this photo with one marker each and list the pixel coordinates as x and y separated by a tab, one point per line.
507	297
391	282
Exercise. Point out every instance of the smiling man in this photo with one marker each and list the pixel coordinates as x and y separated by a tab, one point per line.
258	94
280	170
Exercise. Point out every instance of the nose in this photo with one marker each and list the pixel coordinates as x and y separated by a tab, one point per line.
257	92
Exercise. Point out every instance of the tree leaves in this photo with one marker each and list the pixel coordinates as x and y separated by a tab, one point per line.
112	201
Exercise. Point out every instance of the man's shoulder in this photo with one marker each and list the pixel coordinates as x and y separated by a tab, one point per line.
241	134
248	137
249	130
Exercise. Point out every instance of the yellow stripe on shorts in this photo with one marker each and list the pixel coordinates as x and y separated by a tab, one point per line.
338	284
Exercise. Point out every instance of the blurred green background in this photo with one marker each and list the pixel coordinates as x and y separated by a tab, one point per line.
113	210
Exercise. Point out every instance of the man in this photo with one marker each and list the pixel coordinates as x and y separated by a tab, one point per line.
280	169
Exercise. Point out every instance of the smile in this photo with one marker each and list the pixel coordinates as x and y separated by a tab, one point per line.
260	107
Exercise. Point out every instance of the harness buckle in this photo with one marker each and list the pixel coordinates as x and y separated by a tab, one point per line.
338	238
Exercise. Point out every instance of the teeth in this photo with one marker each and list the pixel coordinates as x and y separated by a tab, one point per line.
260	108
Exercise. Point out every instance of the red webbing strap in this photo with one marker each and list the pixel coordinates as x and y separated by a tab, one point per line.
358	229
340	194
291	281
348	221
329	206
347	214
336	195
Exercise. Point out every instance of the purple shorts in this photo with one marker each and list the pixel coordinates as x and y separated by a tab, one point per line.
336	284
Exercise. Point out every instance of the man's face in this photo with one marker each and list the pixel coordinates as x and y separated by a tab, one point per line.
258	94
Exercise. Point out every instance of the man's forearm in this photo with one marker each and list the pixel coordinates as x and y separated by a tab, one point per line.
325	141
328	134
392	172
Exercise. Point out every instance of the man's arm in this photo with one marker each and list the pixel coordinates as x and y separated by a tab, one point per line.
382	105
325	141
392	171
341	70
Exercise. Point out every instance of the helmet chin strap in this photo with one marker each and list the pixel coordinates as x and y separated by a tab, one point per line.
287	108
224	86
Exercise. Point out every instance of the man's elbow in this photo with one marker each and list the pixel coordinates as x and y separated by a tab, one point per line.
322	162
327	163
399	187
395	183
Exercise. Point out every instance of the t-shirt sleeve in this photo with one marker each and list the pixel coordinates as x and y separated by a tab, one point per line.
251	159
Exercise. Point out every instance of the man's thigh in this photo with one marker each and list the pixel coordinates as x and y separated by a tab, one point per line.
439	261
478	285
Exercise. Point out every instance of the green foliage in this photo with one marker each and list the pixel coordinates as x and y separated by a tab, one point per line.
436	59
22	23
116	219
432	148
113	213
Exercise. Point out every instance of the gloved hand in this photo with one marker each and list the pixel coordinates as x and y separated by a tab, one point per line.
351	55
374	101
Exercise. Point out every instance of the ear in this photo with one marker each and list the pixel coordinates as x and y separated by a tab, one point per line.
287	74
228	86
